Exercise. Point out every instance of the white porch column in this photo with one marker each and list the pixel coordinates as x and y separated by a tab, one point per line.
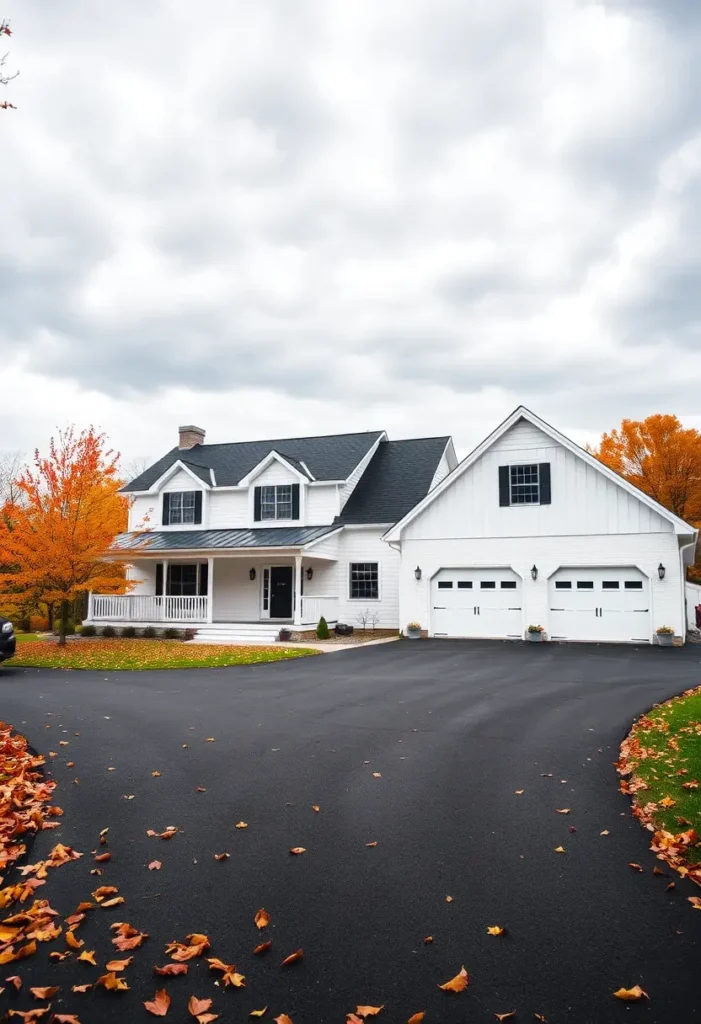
90	606
210	589
165	589
298	590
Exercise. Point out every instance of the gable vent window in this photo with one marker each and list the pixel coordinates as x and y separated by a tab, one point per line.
280	501
525	484
182	508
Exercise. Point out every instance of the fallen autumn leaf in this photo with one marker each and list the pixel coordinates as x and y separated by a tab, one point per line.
160	1003
457	984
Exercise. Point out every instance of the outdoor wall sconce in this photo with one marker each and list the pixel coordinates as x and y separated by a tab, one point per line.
661	571
534	572
310	572
251	574
417	572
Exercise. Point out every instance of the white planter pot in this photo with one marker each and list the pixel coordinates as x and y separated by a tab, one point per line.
535	638
665	639
413	634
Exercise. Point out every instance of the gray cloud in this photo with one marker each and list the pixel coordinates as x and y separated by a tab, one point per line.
340	203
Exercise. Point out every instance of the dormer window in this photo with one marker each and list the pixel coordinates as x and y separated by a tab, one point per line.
279	501
182	508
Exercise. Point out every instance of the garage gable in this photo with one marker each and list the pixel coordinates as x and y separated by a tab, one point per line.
527	479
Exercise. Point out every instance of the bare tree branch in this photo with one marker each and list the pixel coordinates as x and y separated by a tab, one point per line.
11	466
5	30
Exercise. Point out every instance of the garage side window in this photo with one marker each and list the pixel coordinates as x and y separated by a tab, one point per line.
364	581
525	484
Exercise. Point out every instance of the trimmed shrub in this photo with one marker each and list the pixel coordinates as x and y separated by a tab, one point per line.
322	630
171	633
108	632
88	631
128	632
148	633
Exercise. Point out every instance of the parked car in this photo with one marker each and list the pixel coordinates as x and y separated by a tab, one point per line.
8	641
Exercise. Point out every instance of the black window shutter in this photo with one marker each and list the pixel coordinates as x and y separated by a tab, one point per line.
204	579
295	501
198	506
256	504
159	579
166	509
544	475
504	495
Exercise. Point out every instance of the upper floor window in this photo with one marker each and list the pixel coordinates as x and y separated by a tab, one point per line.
279	501
525	484
182	508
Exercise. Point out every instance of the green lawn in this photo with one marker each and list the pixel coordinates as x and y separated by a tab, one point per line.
669	759
108	655
23	638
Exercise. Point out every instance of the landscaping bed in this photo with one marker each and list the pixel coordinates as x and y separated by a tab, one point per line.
660	767
111	654
356	637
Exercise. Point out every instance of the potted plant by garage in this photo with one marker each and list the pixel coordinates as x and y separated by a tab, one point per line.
285	634
535	634
665	636
413	630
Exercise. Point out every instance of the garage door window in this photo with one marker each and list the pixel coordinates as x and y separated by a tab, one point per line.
364	581
610	585
585	585
464	584
563	585
445	585
488	585
633	584
508	584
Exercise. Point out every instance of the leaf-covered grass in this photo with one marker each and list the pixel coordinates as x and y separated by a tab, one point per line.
108	655
670	761
23	638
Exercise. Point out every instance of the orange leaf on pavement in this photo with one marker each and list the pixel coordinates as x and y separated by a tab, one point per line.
636	867
631	994
262	918
45	993
292	958
695	901
15	980
170	970
505	1016
88	957
496	930
65	1018
263	948
155	865
458	983
158	1006
222	856
298	849
112	983
118	965
197	1006
368	1011
258	1013
81	988
416	1018
241	824
283	1019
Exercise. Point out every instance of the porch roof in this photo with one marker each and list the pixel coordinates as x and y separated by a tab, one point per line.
203	540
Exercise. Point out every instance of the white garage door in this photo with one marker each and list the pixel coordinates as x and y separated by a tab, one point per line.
599	604
476	603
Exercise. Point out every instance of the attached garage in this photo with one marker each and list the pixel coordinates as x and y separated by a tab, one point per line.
476	603
611	604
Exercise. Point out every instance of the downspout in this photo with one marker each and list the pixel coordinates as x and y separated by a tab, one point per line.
682	549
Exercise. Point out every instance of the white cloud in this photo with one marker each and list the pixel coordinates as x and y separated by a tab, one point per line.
281	219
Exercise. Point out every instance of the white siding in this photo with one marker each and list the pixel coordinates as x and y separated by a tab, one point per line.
145	574
236	597
275	473
363	546
693	598
140	508
443	468
349	486
645	551
228	510
584	501
322	504
182	481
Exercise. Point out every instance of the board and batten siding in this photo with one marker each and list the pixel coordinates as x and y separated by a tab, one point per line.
583	502
236	597
644	551
364	546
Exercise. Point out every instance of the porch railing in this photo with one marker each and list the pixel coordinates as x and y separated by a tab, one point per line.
314	607
146	608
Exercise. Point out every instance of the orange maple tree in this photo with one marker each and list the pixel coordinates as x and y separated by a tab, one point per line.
663	459
54	536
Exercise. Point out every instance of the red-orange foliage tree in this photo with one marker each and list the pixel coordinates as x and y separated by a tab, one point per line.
663	459
54	538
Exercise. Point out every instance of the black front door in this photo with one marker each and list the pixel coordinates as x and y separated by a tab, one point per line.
281	592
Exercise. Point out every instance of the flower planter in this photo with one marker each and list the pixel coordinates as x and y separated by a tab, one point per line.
535	638
665	639
413	634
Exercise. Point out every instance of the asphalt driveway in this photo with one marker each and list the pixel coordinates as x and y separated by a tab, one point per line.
453	729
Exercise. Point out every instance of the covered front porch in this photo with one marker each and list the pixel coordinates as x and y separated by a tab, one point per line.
235	588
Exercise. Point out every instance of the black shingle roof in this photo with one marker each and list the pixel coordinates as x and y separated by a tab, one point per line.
201	540
331	457
399	476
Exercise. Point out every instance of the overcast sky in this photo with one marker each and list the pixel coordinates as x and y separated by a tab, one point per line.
281	217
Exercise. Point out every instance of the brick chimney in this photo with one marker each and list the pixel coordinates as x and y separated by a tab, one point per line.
190	436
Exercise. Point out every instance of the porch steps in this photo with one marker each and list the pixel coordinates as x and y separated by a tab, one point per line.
237	633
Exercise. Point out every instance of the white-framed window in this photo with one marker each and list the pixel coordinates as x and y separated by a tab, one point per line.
524	485
181	508
276	502
364	581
